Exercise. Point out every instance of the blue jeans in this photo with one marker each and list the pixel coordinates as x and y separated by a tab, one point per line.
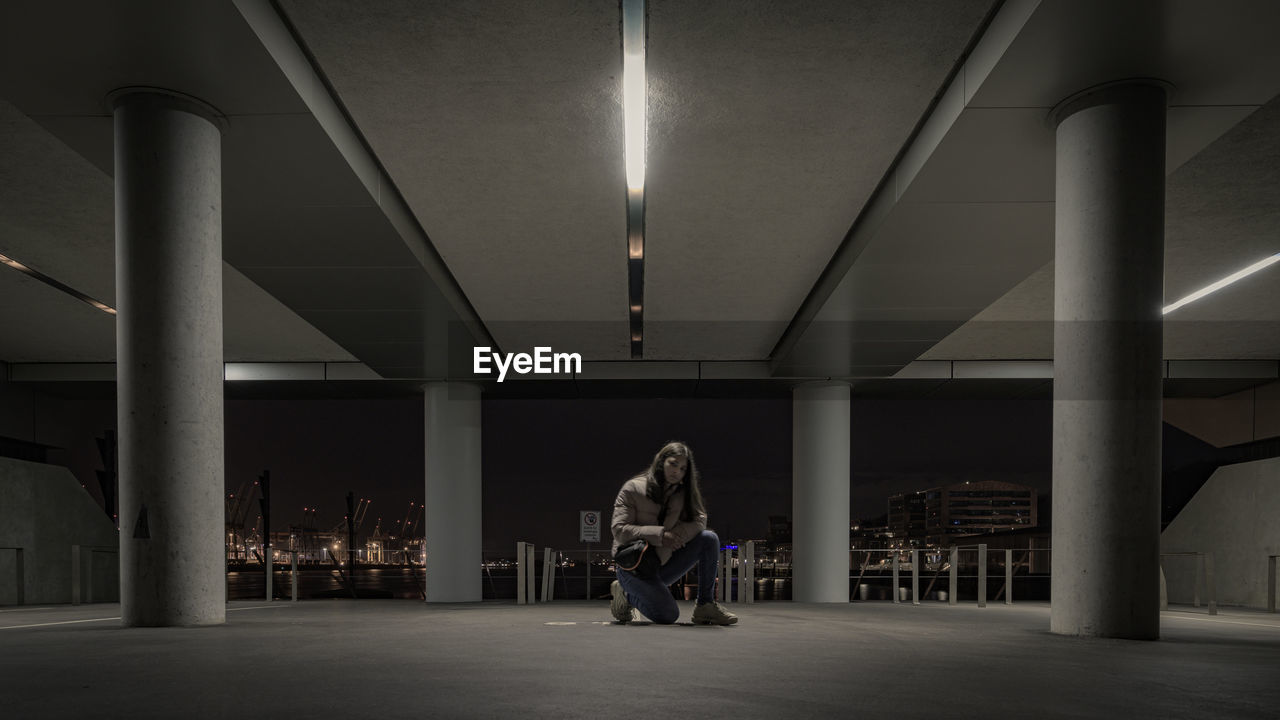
652	596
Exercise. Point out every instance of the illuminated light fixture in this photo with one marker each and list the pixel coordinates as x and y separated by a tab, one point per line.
13	263
6	260
1223	283
635	128
635	246
633	90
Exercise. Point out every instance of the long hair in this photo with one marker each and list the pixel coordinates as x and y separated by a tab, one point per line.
654	479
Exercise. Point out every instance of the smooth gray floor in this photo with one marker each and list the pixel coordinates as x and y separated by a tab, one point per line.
406	659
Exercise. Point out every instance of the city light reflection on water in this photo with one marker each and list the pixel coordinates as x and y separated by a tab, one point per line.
397	582
407	583
498	582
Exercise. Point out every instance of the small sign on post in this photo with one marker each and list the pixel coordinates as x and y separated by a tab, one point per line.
589	526
589	532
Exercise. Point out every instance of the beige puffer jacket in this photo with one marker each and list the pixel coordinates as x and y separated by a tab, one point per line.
636	516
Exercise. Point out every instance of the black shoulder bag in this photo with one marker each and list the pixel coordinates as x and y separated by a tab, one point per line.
636	557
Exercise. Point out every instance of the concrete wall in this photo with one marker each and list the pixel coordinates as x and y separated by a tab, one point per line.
67	424
1242	417
44	510
1236	516
17	409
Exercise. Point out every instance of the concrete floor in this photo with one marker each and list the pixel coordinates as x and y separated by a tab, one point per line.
406	659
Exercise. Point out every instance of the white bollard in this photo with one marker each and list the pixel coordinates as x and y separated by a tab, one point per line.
735	577
915	577
725	556
530	577
895	591
1008	577
523	551
955	580
982	575
548	574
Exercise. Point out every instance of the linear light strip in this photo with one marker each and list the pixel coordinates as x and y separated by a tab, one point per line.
635	122
1223	283
633	90
32	272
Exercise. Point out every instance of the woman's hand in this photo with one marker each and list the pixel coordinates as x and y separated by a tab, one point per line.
670	540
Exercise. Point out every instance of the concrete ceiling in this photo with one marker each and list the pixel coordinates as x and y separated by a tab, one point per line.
1222	212
769	126
57	216
315	268
835	188
968	214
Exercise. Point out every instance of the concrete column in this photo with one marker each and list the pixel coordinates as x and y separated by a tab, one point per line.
1108	293
453	495
168	205
820	492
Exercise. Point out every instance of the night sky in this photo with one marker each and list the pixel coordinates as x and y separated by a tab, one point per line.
546	460
543	460
317	450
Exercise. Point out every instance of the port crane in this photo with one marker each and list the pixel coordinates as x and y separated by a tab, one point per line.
406	530
237	508
306	532
418	518
357	520
404	525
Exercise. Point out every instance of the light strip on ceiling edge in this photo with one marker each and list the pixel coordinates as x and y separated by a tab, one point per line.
635	123
633	90
1223	283
6	260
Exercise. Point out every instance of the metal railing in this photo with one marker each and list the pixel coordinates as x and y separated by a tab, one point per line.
1204	575
969	571
737	569
933	562
743	566
527	579
740	571
293	574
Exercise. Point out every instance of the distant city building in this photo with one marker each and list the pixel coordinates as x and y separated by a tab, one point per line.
932	518
976	508
873	534
385	548
779	529
907	516
324	547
